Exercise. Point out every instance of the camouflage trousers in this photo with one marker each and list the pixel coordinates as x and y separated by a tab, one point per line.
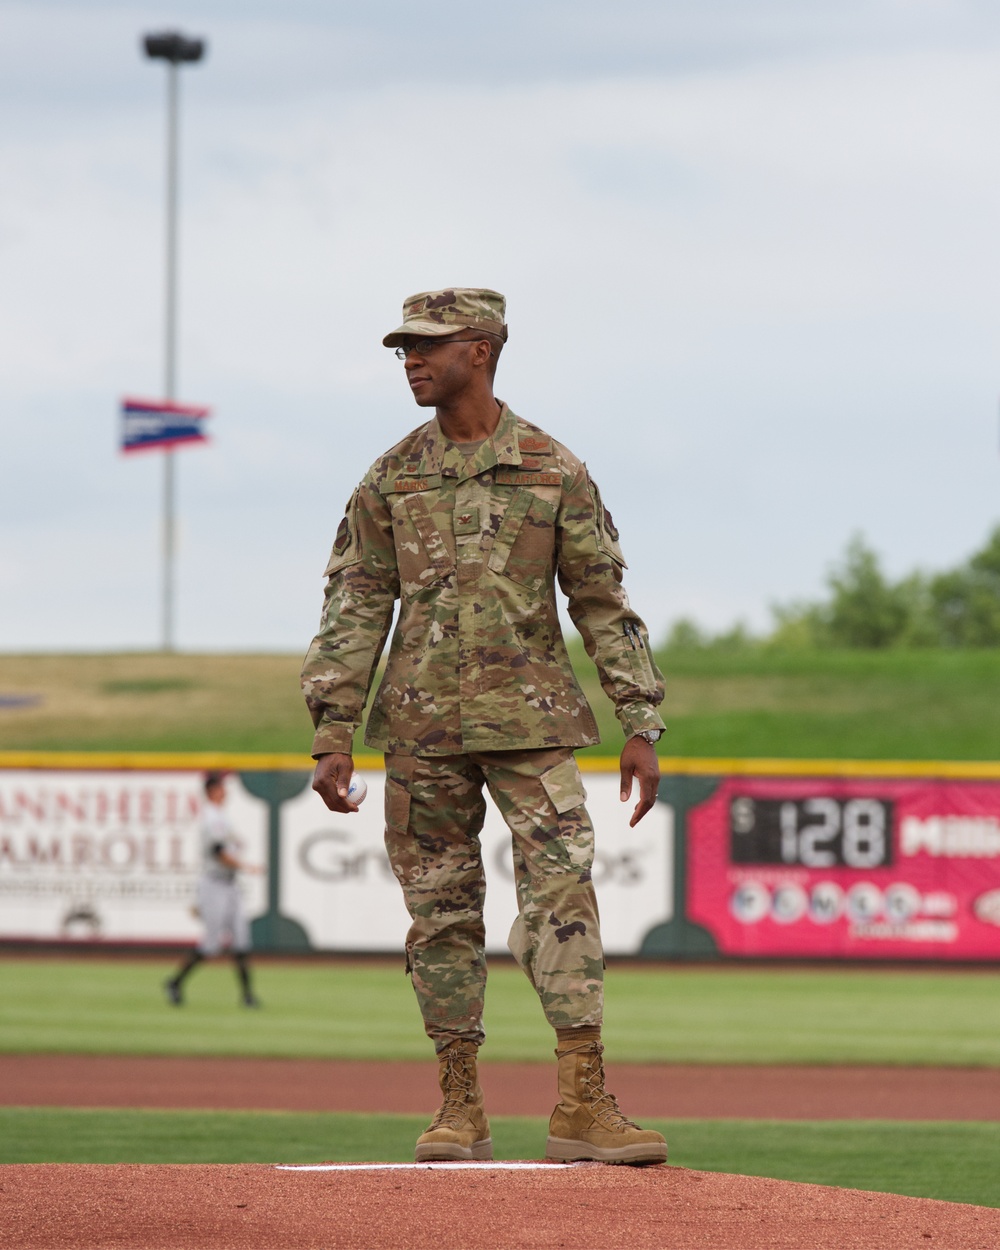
434	814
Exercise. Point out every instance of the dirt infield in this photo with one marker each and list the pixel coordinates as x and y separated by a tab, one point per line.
483	1207
47	1207
703	1092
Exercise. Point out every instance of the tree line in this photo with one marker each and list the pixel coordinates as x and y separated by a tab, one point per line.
863	608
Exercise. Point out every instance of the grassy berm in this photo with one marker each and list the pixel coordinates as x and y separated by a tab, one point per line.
832	704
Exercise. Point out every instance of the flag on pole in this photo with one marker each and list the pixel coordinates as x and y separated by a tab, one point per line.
153	424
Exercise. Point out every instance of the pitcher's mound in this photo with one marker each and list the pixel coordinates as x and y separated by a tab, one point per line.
388	1207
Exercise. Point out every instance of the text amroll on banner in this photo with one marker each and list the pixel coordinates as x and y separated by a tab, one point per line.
847	868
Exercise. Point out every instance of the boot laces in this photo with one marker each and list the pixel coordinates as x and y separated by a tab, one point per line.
601	1103
459	1087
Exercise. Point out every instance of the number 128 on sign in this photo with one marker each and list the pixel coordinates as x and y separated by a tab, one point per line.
819	832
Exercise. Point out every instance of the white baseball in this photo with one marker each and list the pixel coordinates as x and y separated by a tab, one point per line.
357	790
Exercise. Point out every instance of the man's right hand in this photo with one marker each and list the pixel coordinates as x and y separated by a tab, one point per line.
331	779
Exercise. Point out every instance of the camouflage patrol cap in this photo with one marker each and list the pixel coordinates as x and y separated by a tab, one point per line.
444	312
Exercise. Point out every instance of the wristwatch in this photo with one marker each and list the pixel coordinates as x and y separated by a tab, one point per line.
652	736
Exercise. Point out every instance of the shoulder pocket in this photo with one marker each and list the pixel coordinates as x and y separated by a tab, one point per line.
607	534
346	548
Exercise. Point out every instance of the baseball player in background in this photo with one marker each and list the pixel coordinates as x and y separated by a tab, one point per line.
470	522
220	904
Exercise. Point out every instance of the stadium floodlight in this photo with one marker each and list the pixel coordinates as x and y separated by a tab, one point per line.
172	46
176	50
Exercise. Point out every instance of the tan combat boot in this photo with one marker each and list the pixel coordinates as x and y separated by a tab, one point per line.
460	1129
588	1123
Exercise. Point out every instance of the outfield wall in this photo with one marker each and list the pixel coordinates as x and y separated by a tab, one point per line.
105	849
739	858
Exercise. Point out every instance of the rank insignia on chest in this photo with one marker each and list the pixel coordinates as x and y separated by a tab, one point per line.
467	521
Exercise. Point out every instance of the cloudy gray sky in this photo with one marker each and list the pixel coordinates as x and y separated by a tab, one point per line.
749	249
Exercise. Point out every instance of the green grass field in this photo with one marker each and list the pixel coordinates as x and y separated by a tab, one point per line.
894	705
854	704
954	1162
660	1014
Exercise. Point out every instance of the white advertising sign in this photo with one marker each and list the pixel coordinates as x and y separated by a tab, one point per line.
336	881
112	856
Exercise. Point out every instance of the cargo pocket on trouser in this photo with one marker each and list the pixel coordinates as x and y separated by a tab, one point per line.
556	937
569	854
432	826
399	846
564	785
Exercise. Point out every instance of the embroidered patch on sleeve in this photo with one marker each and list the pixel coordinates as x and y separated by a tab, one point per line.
343	539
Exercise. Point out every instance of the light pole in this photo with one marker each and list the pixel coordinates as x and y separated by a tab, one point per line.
176	49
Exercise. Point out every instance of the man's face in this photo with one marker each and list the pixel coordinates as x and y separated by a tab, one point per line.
438	370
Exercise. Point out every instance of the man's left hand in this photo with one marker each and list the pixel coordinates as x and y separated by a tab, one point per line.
639	761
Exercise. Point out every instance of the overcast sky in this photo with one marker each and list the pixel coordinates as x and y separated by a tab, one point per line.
749	249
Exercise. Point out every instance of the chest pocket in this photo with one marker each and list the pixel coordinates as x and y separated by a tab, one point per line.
422	552
524	547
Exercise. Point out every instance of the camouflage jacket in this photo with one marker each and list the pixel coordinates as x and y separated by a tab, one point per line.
472	546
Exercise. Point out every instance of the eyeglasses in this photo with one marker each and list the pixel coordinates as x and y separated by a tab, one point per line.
424	347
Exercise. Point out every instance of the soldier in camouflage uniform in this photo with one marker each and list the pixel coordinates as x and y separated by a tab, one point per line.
469	522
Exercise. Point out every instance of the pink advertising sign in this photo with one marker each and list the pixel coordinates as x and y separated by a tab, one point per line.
847	868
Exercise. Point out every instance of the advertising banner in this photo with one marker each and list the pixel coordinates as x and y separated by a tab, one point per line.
847	868
337	884
112	856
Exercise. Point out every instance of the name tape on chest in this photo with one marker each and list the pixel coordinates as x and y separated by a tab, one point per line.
518	477
407	485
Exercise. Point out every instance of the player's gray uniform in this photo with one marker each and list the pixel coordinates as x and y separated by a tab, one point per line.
219	899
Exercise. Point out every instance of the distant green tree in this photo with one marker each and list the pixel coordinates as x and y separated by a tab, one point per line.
921	628
966	601
685	635
736	638
957	608
798	626
865	610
